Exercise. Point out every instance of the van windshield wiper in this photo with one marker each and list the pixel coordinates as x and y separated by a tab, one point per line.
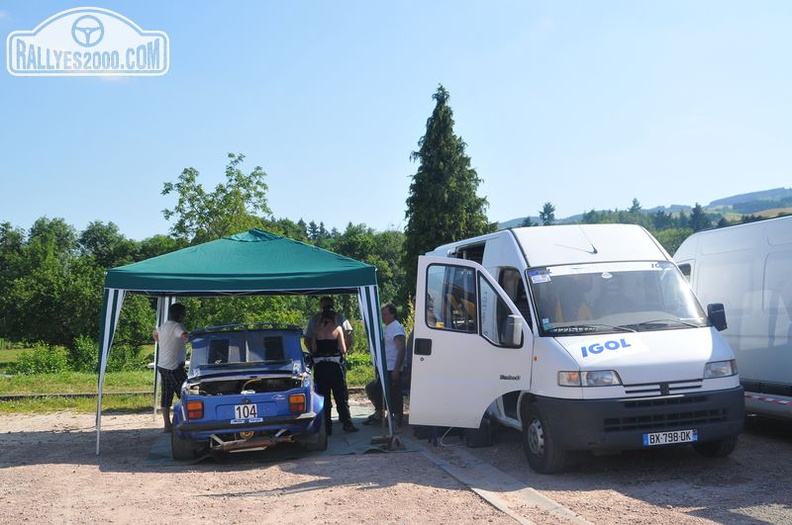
659	324
587	328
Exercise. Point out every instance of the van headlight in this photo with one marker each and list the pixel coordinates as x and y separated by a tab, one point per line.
589	378
715	369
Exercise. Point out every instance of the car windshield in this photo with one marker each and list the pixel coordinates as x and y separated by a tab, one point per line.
613	297
235	349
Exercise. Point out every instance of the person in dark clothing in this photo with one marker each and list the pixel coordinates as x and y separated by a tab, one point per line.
328	349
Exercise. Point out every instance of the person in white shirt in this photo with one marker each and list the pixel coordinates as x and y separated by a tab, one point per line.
172	339
395	350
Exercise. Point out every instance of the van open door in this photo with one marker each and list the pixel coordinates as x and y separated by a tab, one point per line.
471	344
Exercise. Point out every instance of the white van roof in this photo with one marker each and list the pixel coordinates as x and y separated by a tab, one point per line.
576	243
758	236
588	243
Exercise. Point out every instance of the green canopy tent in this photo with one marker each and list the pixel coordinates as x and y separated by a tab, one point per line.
255	262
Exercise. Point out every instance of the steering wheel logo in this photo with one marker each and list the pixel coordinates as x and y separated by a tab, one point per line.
87	31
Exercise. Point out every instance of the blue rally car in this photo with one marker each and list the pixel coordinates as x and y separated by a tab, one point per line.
249	388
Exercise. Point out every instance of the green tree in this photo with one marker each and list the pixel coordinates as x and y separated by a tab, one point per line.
547	214
157	245
662	220
105	243
287	228
230	208
698	219
55	294
592	217
12	264
380	249
671	238
442	205
62	236
317	233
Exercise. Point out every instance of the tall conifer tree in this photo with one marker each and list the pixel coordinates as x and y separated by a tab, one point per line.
442	205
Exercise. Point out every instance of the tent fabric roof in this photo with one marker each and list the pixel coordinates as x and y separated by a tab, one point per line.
254	261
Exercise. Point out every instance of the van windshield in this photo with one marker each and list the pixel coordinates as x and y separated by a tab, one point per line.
613	297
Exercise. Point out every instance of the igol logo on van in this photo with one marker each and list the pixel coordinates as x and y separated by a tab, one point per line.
598	348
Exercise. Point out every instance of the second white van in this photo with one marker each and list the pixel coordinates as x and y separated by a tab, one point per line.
748	268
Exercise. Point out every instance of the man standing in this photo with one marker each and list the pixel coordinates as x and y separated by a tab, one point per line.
394	355
172	338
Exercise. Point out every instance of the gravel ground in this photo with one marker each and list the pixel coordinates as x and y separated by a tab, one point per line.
49	473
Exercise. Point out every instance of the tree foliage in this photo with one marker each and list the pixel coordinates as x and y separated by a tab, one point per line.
51	276
202	216
442	205
547	214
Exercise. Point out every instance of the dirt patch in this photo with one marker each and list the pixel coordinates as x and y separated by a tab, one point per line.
50	473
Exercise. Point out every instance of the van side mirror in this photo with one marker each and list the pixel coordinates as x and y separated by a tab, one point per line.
717	316
511	335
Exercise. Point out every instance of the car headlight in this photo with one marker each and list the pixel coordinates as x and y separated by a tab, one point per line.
589	378
717	369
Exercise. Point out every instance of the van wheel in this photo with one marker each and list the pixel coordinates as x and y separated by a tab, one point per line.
183	449
481	436
720	448
539	443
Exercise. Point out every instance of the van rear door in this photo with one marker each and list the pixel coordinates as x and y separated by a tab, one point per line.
471	344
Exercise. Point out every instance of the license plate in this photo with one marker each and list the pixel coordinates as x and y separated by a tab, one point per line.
670	437
246	411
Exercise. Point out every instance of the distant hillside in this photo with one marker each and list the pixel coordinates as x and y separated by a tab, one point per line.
767	196
768	202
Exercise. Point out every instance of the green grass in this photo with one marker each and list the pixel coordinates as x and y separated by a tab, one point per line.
360	373
8	356
359	369
77	383
39	405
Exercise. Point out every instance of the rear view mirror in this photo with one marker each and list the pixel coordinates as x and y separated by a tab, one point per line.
717	316
512	332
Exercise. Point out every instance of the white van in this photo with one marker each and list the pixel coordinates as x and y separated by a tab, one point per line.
585	337
748	268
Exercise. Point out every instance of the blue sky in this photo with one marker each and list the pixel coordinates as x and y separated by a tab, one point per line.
583	104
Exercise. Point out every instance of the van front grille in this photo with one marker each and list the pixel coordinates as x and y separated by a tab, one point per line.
663	389
663	413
